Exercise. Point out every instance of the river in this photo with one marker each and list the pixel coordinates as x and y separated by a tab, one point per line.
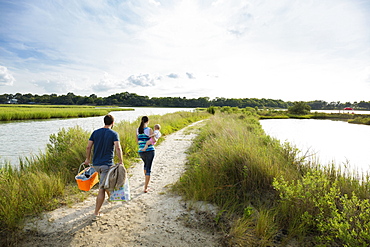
347	145
343	143
24	138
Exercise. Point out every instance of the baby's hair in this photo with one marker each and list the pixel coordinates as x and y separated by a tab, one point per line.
157	126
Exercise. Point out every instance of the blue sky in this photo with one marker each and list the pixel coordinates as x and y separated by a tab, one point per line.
287	49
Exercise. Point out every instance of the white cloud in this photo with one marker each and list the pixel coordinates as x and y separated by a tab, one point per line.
173	76
57	84
154	2
217	2
145	80
257	48
6	78
190	75
107	83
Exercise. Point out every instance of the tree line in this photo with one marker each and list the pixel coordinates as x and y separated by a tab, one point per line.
132	99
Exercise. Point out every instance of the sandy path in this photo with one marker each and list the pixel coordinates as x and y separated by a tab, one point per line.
156	218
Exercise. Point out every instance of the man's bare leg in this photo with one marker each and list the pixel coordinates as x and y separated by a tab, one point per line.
99	201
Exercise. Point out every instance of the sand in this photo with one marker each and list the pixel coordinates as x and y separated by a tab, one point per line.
157	218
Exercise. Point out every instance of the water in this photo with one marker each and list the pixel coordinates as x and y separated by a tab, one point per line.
347	145
24	138
330	140
342	111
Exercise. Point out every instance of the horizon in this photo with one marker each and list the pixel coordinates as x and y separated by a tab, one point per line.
211	99
288	50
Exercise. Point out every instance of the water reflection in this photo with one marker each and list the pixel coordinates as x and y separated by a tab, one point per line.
332	141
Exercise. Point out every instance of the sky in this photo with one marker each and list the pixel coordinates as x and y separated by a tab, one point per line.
291	50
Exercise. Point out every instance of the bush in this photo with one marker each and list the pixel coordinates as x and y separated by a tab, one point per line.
299	108
211	110
315	206
360	120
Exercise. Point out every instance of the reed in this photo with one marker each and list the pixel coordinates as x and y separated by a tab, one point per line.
268	192
41	182
360	120
24	112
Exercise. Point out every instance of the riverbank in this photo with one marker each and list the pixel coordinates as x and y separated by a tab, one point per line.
157	218
31	137
27	112
348	117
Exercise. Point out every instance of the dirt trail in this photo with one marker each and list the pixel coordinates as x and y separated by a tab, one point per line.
156	218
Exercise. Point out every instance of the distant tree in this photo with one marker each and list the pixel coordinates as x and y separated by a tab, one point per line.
299	108
93	96
317	104
132	99
364	105
89	100
3	99
80	100
99	101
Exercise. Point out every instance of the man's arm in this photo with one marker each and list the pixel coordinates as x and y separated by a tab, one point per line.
117	145
88	152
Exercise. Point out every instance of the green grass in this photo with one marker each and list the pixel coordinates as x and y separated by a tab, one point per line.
280	114
43	182
24	112
264	188
360	120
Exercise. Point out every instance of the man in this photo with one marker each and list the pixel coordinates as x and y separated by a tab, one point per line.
104	140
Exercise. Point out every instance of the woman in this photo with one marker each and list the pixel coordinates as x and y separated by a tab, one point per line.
142	136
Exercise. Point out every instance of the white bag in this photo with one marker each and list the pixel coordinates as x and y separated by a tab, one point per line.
122	194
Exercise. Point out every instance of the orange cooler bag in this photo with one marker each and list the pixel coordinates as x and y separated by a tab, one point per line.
86	178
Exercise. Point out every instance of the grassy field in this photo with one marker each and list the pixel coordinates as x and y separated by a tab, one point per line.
350	118
24	112
283	114
268	194
46	181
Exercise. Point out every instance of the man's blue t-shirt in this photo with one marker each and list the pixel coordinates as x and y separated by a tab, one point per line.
103	139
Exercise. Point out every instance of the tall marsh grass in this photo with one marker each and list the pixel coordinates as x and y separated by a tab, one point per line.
23	112
40	182
270	194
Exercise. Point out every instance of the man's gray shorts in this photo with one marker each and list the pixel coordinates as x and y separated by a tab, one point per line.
103	171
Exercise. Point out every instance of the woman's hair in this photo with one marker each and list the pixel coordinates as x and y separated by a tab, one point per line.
144	120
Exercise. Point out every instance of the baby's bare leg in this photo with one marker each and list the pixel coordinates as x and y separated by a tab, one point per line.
149	142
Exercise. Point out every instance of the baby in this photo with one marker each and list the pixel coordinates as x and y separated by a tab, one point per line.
154	137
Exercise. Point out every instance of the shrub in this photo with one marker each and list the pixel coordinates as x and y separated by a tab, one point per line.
315	206
211	110
299	108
